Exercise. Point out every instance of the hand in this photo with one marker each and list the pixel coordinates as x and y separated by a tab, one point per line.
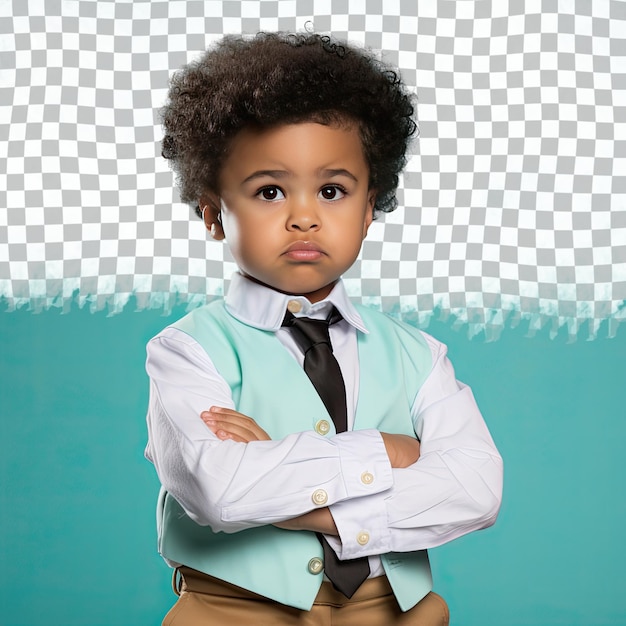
402	450
317	520
230	424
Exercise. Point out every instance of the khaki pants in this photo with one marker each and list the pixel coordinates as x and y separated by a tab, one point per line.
208	601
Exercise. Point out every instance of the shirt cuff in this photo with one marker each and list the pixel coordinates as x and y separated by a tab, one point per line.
365	466
363	527
350	465
361	520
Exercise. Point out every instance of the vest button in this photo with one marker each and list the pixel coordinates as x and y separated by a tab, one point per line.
322	427
363	538
367	478
316	565
319	497
293	306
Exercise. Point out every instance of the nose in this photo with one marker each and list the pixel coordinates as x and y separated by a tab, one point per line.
303	215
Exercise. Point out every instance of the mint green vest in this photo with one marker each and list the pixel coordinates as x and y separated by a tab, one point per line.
394	362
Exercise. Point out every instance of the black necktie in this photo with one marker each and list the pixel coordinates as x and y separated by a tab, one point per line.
320	365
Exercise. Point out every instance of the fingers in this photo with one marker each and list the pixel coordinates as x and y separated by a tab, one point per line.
230	424
223	426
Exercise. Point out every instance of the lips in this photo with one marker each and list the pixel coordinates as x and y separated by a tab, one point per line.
304	251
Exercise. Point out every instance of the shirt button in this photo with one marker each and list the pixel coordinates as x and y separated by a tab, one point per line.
293	306
367	478
363	538
316	565
319	497
322	427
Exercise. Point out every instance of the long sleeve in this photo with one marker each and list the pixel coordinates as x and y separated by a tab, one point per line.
454	488
230	486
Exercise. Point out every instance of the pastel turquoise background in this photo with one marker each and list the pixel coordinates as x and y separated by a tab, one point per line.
77	536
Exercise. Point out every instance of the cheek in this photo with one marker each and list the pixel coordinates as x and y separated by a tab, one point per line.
232	236
229	226
245	240
234	227
355	230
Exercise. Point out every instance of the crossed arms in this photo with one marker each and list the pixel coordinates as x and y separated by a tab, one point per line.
241	479
228	424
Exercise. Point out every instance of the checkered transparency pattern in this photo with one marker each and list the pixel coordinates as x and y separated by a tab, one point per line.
513	204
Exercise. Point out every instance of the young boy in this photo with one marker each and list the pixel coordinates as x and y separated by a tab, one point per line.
282	462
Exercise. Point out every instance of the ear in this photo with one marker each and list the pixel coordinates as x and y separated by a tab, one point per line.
210	206
369	213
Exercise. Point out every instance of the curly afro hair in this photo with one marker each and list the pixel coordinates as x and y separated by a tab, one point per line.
281	78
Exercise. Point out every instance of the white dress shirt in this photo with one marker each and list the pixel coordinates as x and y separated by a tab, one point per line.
454	488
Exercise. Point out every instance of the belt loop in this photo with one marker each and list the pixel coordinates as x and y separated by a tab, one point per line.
177	580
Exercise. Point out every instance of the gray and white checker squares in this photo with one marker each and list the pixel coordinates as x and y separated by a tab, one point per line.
513	205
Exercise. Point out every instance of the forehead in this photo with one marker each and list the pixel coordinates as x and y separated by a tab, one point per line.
298	146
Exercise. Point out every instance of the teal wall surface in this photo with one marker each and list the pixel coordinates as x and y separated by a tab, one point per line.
77	498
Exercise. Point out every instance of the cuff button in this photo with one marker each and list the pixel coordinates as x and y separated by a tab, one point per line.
367	478
319	497
363	538
316	565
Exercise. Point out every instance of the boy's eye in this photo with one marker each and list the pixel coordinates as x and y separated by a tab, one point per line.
271	193
331	192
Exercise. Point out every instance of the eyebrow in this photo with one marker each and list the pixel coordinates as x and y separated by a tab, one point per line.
262	173
284	174
339	172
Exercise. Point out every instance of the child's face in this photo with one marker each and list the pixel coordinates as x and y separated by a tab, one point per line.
295	205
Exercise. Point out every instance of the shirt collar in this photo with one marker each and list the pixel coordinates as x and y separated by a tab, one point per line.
264	308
